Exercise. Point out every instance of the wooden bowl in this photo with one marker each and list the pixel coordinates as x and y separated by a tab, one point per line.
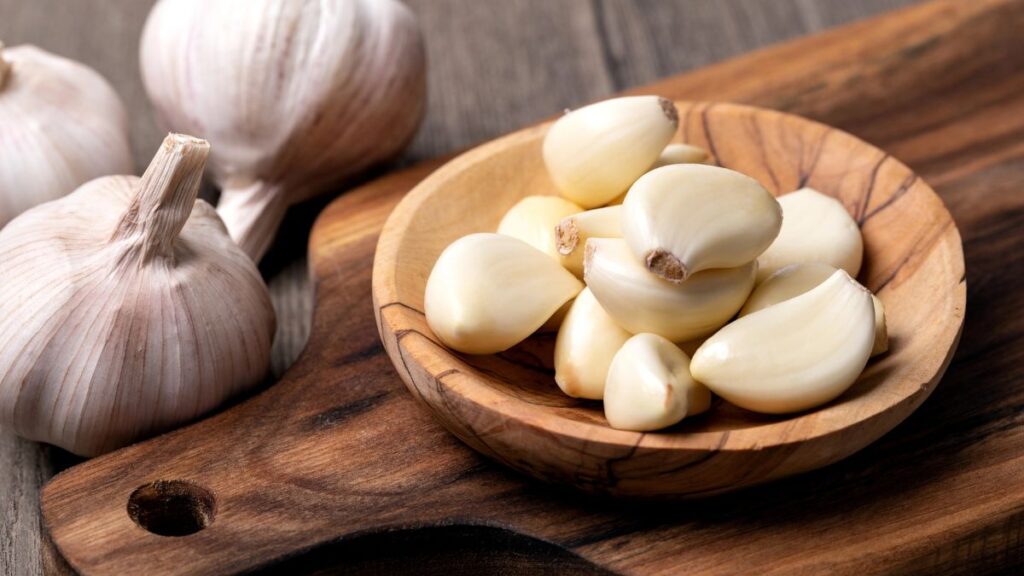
508	407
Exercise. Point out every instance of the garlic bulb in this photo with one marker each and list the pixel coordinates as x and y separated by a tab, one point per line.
794	355
587	341
126	309
595	153
573	232
295	97
639	301
685	218
63	125
649	386
533	220
794	280
815	228
488	292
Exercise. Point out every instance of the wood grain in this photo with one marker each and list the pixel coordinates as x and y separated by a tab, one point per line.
507	405
338	448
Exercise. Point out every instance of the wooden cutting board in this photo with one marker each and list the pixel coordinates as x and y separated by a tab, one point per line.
336	464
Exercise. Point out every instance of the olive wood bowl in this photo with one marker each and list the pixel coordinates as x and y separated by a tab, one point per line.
508	407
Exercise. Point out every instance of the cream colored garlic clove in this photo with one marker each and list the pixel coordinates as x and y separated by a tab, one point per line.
126	309
296	97
533	220
795	355
596	152
639	301
685	218
672	154
649	386
794	280
587	341
573	232
488	292
63	125
815	228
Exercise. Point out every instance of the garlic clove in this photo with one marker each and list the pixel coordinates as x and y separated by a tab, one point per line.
815	228
681	154
685	218
573	232
639	301
63	125
795	355
794	280
649	386
587	341
533	220
595	153
488	292
295	97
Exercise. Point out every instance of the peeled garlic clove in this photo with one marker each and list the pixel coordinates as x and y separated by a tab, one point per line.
488	292
533	220
126	309
587	341
63	125
296	97
596	152
573	232
649	386
795	355
681	154
685	218
815	228
794	280
639	301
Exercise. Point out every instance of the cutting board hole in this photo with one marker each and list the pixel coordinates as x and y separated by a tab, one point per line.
172	507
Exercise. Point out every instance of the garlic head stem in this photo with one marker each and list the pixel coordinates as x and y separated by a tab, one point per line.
252	215
165	196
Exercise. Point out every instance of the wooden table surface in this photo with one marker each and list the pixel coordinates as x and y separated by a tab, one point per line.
494	66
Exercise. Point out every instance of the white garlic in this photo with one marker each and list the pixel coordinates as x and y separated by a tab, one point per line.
681	154
639	301
533	220
794	280
684	218
488	292
573	232
587	341
794	355
295	97
815	228
126	309
649	386
595	153
63	125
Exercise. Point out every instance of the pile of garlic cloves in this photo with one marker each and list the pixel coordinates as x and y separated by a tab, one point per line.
654	251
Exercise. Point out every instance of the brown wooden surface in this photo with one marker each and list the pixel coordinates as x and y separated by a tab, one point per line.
339	447
494	67
508	406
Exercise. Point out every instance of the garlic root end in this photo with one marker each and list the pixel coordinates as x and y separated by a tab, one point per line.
665	265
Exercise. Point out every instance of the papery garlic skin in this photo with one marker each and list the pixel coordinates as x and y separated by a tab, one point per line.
126	309
63	125
572	234
815	228
684	218
639	301
794	355
649	386
533	220
586	344
296	97
595	153
794	280
488	292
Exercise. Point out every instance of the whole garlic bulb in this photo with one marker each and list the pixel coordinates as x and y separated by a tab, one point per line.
63	125
295	97
126	309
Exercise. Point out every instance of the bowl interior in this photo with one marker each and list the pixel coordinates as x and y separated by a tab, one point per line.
913	261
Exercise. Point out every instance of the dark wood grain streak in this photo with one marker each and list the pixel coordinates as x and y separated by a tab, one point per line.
940	495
